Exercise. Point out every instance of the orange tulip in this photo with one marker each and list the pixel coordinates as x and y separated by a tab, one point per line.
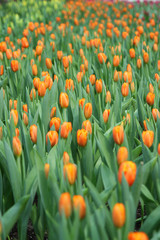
34	70
65	62
108	97
48	63
9	54
102	57
59	55
79	76
36	82
137	236
139	63
155	113
122	155
129	170
65	158
53	138
53	112
70	172
116	61
127	76
119	215
41	89
81	102
118	134
106	115
17	147
25	118
87	126
1	70
92	79
148	137
56	122
1	133
63	100
88	110
146	57
132	53
14	65
125	89
158	149
66	127
82	137
69	84
65	204
14	114
33	133
80	205
98	86
32	94
150	98
39	50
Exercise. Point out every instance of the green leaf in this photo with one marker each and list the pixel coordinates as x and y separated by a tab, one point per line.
12	215
152	222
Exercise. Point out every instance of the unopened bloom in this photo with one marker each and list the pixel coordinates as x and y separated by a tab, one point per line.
118	134
129	169
17	147
80	205
82	137
65	204
148	137
70	172
119	215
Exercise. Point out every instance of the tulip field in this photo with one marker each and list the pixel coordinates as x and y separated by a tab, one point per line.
79	120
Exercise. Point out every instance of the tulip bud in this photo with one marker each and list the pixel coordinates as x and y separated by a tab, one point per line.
92	79
119	215
81	102
66	127
80	205
25	108
148	137
116	61
129	170
145	57
122	155
125	89
79	76
69	84
59	55
39	50
139	63
102	58
53	112
41	89
127	76
65	204
32	94
88	110
82	137
87	126
63	100
53	138
99	86
150	98
65	158
17	147
34	70
132	53
108	97
25	118
14	65
46	169
48	63
65	62
1	70
33	133
155	113
70	171
106	115
14	114
118	134
137	236
56	121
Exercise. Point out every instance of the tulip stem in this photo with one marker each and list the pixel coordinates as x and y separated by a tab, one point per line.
119	233
19	164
